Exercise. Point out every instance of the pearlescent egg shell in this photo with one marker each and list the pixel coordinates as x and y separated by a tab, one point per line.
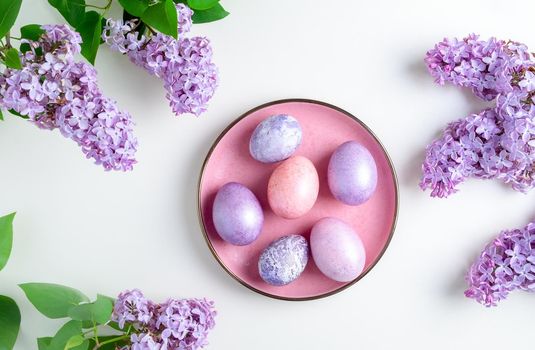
337	249
275	138
352	173
237	214
283	260
293	187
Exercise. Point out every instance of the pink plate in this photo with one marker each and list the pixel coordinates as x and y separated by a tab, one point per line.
324	128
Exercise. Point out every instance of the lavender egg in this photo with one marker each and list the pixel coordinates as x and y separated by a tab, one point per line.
337	249
352	173
237	214
275	138
283	260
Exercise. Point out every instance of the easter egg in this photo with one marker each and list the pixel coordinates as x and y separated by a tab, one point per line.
337	249
237	214
283	260
275	138
352	173
293	187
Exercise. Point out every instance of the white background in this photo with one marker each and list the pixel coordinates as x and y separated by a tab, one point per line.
105	232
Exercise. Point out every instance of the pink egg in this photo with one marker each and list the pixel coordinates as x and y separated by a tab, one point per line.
337	249
293	187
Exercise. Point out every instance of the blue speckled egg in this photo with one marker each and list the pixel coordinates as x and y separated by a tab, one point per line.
283	260
237	214
352	173
275	138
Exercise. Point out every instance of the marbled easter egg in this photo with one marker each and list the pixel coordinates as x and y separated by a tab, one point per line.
237	214
293	187
283	260
337	249
275	138
352	173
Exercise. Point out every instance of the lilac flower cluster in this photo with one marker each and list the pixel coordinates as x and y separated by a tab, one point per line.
484	66
56	92
185	65
499	142
506	264
173	325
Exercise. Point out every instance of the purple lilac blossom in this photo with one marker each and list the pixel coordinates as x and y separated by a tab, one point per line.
142	341
55	92
483	66
131	306
185	324
506	264
185	65
181	324
184	14
498	142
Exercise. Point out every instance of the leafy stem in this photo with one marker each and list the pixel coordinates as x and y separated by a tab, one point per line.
105	8
112	340
151	30
95	333
95	7
8	39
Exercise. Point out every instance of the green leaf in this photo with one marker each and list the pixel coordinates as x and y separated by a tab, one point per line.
83	346
162	17
72	10
14	112
43	343
103	309
202	4
6	238
213	14
9	10
12	59
98	311
31	32
82	312
9	322
25	47
135	7
90	30
53	300
87	324
102	296
65	333
115	326
1	115
92	345
75	341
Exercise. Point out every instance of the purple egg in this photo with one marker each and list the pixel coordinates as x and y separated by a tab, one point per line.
283	260
275	138
237	214
352	173
337	249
